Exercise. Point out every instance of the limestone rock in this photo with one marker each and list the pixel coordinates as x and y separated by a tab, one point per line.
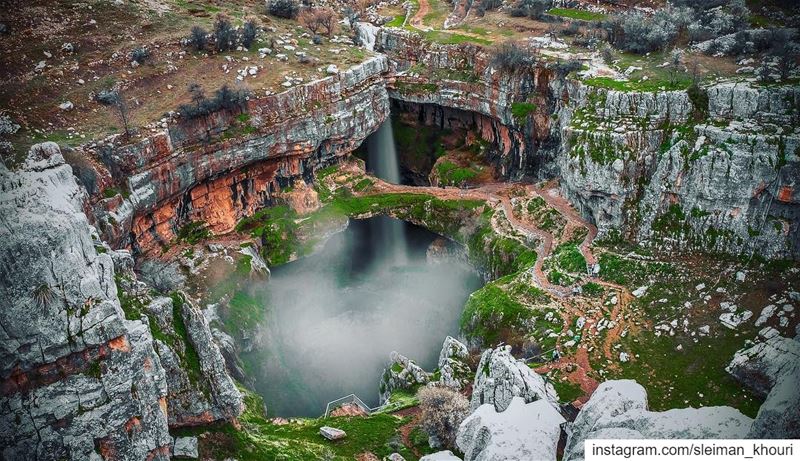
446	455
61	306
524	431
501	377
185	447
332	433
454	371
618	409
772	370
402	373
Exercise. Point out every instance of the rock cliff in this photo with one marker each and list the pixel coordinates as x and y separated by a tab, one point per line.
221	168
91	370
79	381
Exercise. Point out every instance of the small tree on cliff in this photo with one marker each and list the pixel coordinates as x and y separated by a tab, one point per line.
443	409
116	100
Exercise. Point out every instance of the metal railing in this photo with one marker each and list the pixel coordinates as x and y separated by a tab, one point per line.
353	399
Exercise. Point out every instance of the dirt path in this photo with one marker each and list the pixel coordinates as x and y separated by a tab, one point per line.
406	429
419	16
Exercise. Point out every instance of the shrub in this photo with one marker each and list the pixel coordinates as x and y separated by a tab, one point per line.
198	38
224	98
443	410
572	29
517	12
489	5
249	32
534	8
115	99
512	58
287	9
563	68
224	34
140	55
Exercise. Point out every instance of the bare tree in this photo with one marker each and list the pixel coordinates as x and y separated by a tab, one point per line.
443	409
115	99
310	20
328	20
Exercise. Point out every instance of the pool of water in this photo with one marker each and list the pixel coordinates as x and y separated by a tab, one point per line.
333	318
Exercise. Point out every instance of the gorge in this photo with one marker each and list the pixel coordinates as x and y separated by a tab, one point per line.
548	243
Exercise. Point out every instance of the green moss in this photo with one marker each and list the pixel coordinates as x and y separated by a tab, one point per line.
94	369
259	439
521	110
567	391
189	359
193	232
449	38
244	312
491	310
452	174
568	257
276	228
649	85
592	289
573	13
132	306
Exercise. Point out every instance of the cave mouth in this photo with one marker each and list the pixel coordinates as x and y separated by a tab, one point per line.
333	318
437	146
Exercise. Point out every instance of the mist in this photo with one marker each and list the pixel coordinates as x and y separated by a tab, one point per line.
332	319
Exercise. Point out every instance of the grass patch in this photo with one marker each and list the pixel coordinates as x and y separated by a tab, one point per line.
573	13
567	391
521	110
453	175
650	85
258	439
447	38
568	257
276	228
491	310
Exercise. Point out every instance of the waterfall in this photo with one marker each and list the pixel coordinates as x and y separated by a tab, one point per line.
388	233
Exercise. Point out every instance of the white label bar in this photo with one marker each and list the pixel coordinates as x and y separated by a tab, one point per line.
691	450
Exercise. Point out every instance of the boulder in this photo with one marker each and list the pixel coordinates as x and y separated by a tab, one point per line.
402	373
524	431
454	371
395	457
772	369
332	433
185	447
501	377
446	455
618	409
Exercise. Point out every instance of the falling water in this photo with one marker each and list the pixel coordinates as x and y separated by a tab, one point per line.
387	233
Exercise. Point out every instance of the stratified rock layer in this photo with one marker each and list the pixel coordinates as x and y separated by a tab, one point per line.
78	380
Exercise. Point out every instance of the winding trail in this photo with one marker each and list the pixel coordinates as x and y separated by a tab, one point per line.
576	365
418	18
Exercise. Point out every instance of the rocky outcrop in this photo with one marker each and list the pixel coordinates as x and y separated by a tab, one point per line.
772	370
446	455
524	431
200	391
658	166
402	373
501	377
78	380
454	372
618	410
191	172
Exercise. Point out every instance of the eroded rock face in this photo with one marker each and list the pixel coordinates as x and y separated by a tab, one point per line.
179	176
454	370
402	373
726	182
772	370
618	410
78	380
501	377
524	431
